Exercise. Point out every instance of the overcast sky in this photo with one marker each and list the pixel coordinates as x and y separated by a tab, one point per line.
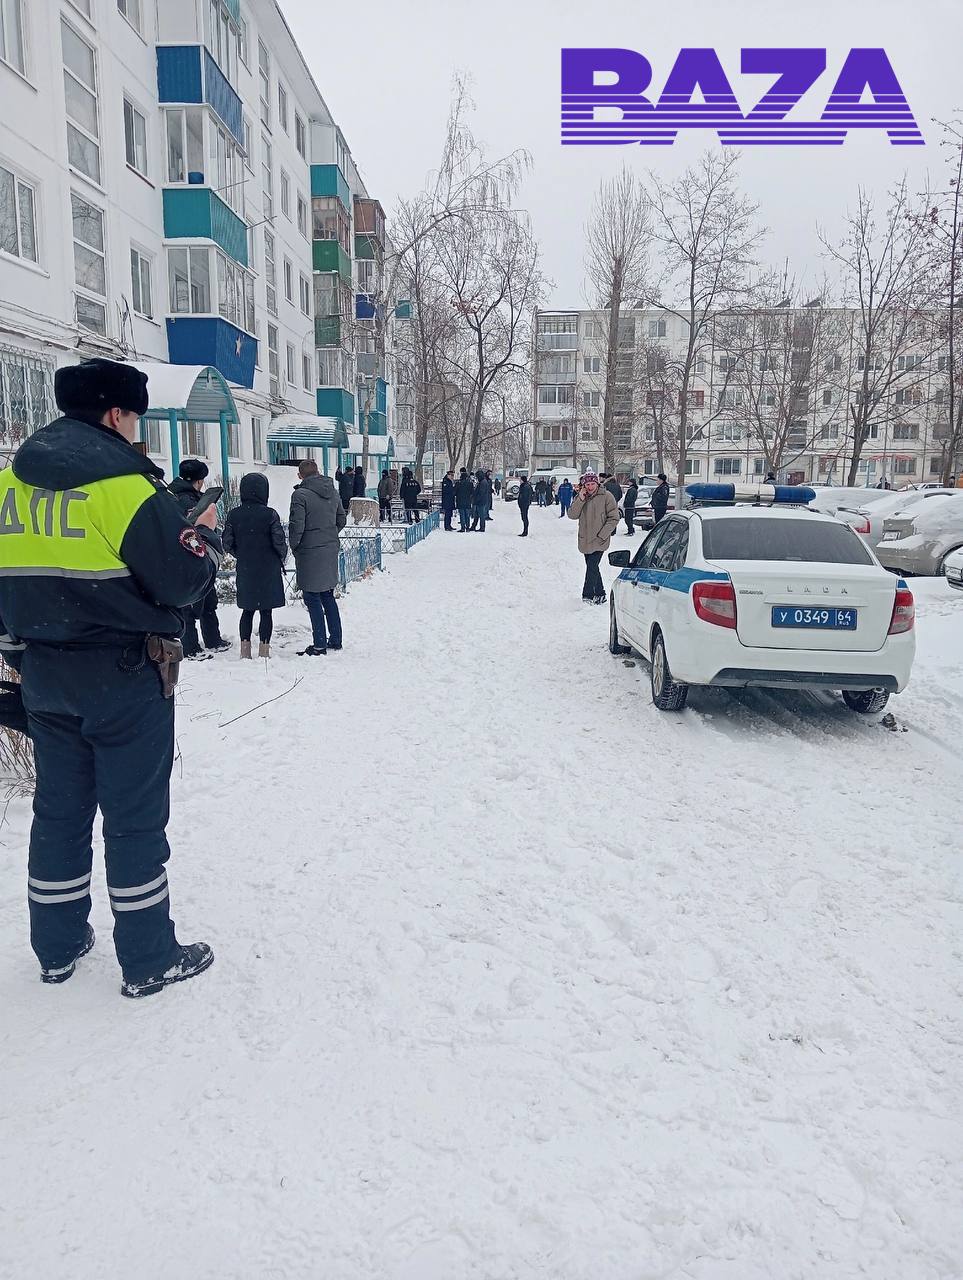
385	69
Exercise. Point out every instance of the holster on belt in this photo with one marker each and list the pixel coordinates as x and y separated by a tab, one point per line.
167	656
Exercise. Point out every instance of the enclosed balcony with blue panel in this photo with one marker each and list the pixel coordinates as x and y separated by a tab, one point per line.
214	341
328	180
188	74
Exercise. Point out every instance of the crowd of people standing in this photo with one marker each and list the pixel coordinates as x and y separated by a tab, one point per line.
471	497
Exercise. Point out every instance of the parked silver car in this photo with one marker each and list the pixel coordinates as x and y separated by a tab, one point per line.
829	498
921	540
953	568
868	520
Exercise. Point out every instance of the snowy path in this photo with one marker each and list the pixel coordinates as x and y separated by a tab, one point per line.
515	977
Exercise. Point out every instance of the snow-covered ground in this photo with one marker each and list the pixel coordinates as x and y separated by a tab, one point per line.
516	977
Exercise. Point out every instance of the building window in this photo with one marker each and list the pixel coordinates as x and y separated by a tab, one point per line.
936	466
153	436
730	399
26	394
90	264
267	177
291	361
289	280
656	328
827	397
270	273
302	215
942	363
696	399
729	431
80	93
135	138
305	295
283	107
307	371
257	439
556	395
185	144
904	466
194	439
727	466
189	280
908	395
274	365
226	176
235	293
223	38
591	399
140	284
300	136
691	466
908	363
234	440
285	194
591	364
12	47
830	432
264	74
330	221
906	431
18	216
131	11
243	41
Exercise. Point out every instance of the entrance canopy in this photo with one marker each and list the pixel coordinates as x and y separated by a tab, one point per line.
195	393
378	446
308	431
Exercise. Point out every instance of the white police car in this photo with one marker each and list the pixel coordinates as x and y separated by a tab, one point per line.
769	594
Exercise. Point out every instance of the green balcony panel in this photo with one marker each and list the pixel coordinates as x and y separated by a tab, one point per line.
365	247
334	402
328	180
403	310
197	213
327	331
329	256
377	422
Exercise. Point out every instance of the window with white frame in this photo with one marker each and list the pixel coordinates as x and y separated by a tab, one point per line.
234	440
300	136
257	439
728	431
185	143
730	399
267	177
591	364
904	466
153	436
13	48
247	131
289	279
656	328
243	41
906	431
305	295
274	362
82	5
590	329
829	432
292	356
727	466
283	107
140	283
692	466
589	431
135	137
302	215
18	216
131	10
942	363
591	399
194	439
936	466
222	36
827	396
80	94
270	272
285	185
226	174
264	75
307	371
235	292
556	395
90	264
189	280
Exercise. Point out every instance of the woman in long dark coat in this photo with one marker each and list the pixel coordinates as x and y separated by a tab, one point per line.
253	534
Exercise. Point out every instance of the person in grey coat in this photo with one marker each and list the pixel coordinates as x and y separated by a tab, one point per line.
316	517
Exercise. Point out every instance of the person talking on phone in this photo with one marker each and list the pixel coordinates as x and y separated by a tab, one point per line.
597	514
187	488
96	561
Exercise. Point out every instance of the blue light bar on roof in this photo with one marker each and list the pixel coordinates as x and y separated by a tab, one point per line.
789	494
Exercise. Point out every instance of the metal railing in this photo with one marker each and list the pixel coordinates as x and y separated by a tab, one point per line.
402	537
360	553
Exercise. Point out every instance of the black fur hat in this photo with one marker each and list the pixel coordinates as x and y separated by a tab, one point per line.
98	385
192	470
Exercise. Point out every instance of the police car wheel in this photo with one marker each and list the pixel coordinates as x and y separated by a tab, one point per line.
615	647
667	694
866	702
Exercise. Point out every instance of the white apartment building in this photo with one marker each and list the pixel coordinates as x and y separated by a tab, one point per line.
168	170
734	380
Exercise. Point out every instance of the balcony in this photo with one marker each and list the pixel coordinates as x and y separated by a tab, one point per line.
210	340
188	73
335	402
327	255
366	248
327	331
403	310
198	213
554	448
369	219
557	341
328	180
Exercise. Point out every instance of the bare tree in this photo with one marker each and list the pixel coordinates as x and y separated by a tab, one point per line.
708	237
945	220
886	276
617	238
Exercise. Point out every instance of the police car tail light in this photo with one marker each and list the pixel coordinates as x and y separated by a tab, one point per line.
715	602
904	612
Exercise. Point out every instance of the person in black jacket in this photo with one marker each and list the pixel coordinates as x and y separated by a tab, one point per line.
98	629
463	499
187	488
360	483
346	490
629	499
482	499
613	486
526	495
448	499
384	496
410	489
253	534
660	498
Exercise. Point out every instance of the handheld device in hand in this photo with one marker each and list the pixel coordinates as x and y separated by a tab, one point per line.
207	499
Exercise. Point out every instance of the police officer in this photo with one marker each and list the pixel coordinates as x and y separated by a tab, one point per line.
95	562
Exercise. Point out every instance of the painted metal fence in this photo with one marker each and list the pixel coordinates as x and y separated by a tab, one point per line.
359	554
402	537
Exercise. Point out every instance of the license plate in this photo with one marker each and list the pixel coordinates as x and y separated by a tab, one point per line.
890	537
830	619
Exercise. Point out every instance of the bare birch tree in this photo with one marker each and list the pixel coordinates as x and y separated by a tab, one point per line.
945	222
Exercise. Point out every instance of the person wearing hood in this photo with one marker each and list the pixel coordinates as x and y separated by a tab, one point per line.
384	496
463	499
448	499
187	488
316	517
96	562
597	514
483	500
345	489
253	535
410	489
565	495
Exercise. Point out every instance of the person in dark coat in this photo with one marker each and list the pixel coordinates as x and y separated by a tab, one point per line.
384	496
629	499
613	486
360	483
346	489
771	478
491	490
187	488
316	517
410	489
565	495
483	500
525	496
448	499
540	492
463	499
497	486
253	535
660	498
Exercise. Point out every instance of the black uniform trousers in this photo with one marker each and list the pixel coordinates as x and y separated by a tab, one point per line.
523	512
204	612
102	737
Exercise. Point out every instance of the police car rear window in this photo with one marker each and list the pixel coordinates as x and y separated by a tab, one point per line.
756	538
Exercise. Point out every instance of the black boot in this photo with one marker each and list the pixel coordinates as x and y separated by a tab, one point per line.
67	971
187	963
